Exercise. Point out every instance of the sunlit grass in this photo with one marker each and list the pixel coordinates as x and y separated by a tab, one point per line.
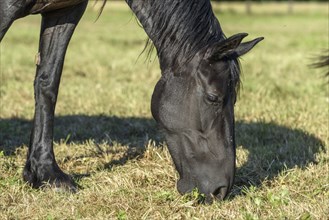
105	135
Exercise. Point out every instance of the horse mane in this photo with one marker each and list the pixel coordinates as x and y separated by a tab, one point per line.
182	28
235	72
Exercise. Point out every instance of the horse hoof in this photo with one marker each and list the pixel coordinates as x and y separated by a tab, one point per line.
59	181
63	187
63	184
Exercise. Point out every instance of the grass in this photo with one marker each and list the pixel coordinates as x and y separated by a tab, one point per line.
106	138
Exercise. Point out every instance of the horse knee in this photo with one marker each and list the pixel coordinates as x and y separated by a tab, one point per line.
46	87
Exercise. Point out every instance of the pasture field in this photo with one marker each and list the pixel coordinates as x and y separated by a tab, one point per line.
106	138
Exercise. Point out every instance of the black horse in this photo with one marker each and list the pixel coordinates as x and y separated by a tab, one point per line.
193	101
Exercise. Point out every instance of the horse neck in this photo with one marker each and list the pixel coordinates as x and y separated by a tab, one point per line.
177	28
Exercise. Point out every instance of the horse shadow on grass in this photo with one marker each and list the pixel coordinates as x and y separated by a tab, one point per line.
270	148
129	131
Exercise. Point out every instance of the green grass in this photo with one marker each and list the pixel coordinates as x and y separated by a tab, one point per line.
106	138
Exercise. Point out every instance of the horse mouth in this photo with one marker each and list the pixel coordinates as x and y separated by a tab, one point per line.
218	195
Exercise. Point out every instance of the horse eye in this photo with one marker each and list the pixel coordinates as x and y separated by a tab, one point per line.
212	97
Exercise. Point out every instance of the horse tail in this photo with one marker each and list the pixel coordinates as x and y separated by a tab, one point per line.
322	61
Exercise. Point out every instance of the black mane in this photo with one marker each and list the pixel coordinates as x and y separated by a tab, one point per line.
181	28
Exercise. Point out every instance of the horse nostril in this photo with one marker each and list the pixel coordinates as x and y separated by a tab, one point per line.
220	193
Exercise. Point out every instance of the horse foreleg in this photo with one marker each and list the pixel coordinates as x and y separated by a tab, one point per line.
56	31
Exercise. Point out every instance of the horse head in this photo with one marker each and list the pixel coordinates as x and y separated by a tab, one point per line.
194	104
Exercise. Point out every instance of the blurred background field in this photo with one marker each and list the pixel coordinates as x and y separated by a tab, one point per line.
105	135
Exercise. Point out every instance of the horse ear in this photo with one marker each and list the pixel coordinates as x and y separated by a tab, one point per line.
217	51
247	46
231	47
